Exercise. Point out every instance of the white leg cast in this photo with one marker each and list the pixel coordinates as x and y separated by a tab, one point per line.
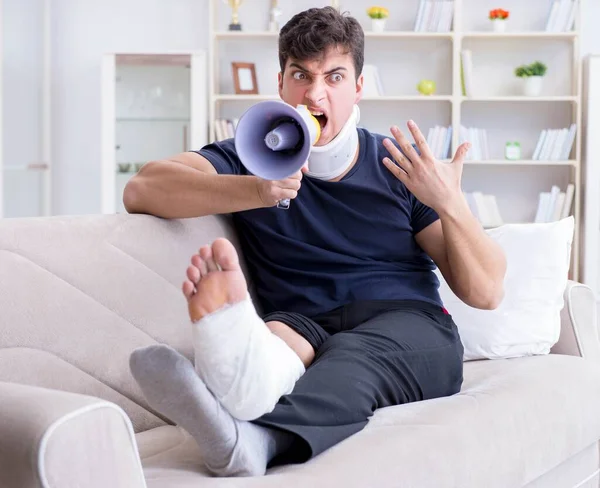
245	365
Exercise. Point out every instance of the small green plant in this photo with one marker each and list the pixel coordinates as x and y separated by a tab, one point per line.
534	69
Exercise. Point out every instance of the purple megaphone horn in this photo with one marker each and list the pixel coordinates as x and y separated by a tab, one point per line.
273	139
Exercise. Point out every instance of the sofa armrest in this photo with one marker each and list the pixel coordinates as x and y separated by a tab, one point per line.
56	438
579	328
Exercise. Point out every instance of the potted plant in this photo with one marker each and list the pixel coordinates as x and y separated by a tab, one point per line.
378	16
499	17
532	74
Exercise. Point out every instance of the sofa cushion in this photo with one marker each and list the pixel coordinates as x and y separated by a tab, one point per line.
527	322
79	293
514	420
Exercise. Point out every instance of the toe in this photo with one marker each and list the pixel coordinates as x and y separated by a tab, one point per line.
193	274
188	289
199	263
207	255
225	255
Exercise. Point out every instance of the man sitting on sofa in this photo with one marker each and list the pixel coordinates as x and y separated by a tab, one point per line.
345	276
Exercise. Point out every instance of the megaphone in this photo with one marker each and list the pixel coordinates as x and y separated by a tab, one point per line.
273	139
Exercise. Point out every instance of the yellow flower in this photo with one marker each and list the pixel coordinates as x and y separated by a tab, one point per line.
378	12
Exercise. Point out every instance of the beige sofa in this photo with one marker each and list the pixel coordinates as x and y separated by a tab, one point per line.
78	294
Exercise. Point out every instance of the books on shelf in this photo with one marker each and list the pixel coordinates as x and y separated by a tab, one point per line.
561	17
479	143
466	72
555	144
439	140
225	128
434	16
555	204
485	208
372	86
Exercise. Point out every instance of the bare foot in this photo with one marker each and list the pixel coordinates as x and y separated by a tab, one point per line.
214	279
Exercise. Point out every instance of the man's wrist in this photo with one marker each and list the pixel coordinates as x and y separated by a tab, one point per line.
455	208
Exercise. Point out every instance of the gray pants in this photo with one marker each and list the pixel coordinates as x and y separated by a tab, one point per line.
369	355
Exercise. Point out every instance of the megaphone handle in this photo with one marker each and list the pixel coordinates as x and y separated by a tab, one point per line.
285	204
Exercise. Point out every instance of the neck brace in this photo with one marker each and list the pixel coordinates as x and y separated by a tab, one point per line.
331	160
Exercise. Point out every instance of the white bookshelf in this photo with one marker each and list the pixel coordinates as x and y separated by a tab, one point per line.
153	106
404	56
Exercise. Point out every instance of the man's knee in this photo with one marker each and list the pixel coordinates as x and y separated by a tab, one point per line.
295	341
341	343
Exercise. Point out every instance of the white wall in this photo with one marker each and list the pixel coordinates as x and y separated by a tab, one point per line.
590	35
22	28
82	32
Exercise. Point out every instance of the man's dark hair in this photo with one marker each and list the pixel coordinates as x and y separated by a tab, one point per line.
309	34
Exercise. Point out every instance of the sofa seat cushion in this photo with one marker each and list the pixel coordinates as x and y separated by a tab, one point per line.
514	420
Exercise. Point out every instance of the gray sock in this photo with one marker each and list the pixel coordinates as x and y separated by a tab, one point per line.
229	447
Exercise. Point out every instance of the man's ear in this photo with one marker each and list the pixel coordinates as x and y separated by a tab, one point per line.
280	84
359	88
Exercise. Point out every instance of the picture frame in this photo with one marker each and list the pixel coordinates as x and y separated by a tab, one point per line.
244	78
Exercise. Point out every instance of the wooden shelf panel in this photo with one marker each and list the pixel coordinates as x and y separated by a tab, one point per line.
231	97
562	103
519	35
565	98
521	162
399	98
244	34
368	34
417	35
409	98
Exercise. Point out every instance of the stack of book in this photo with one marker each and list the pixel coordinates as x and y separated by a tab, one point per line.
434	16
561	17
372	86
555	204
555	144
225	128
485	208
439	140
466	72
479	143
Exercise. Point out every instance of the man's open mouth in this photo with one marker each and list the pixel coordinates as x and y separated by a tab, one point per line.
321	117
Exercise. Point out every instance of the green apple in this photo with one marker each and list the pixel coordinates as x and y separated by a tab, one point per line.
426	87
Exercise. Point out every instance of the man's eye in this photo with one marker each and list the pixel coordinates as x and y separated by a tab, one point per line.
299	75
336	77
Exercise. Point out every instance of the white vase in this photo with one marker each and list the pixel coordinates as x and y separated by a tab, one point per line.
378	25
499	25
532	86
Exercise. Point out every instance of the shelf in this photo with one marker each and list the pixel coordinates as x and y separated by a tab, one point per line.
26	167
417	35
489	227
519	35
388	34
398	98
410	34
244	98
151	119
409	98
521	162
499	105
244	34
573	99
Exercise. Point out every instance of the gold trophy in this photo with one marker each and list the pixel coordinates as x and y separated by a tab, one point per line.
235	5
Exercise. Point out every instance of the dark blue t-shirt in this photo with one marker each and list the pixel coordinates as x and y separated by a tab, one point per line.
338	242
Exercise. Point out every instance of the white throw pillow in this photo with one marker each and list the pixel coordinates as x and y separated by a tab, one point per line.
527	322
